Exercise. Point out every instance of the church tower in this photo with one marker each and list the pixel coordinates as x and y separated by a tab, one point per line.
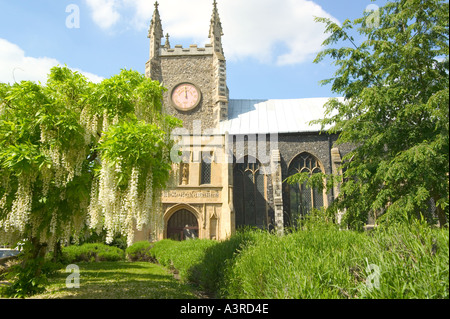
197	201
195	77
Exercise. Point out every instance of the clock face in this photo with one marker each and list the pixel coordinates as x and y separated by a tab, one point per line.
185	96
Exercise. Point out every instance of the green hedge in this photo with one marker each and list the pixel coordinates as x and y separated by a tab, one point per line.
92	252
181	256
202	262
411	260
139	251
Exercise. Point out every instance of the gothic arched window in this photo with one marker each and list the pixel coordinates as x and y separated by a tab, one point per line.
302	198
249	193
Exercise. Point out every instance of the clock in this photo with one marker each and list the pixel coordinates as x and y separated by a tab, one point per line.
185	96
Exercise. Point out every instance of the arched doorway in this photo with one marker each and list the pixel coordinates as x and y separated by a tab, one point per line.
182	225
249	188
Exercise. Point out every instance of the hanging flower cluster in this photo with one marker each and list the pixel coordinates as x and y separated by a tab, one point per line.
21	206
121	211
134	168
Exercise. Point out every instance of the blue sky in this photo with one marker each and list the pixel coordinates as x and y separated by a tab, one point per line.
269	44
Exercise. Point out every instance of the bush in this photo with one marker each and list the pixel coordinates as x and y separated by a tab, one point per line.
24	280
92	253
92	237
202	262
139	251
162	251
27	273
209	271
181	256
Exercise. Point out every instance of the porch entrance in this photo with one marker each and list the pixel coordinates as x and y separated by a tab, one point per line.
182	225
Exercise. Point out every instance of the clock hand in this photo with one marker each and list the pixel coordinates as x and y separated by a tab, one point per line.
185	92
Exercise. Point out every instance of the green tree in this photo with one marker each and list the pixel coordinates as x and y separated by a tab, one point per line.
76	155
395	85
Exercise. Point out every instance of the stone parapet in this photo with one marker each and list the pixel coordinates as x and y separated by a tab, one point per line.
192	50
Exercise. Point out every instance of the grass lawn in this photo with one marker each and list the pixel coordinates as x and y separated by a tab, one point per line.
120	280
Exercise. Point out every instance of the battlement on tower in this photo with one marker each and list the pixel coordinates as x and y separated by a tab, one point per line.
193	49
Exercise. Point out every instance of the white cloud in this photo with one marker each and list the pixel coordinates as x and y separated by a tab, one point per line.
16	67
104	12
270	31
283	31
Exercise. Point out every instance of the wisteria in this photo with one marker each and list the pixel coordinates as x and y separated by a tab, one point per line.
122	211
73	164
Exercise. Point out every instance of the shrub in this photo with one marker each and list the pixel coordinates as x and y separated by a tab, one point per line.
92	252
181	256
26	274
162	251
24	280
202	261
209	272
139	251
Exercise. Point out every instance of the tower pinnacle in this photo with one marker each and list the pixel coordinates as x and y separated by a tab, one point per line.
167	44
219	64
155	33
215	30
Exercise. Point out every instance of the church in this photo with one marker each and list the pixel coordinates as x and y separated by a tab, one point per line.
236	154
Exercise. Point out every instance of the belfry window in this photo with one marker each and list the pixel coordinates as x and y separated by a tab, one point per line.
302	198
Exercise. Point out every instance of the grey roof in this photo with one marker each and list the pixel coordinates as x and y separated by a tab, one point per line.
273	116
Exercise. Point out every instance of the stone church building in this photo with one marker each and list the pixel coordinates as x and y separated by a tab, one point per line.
236	154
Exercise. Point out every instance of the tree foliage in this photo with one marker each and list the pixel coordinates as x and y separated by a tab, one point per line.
395	85
76	155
